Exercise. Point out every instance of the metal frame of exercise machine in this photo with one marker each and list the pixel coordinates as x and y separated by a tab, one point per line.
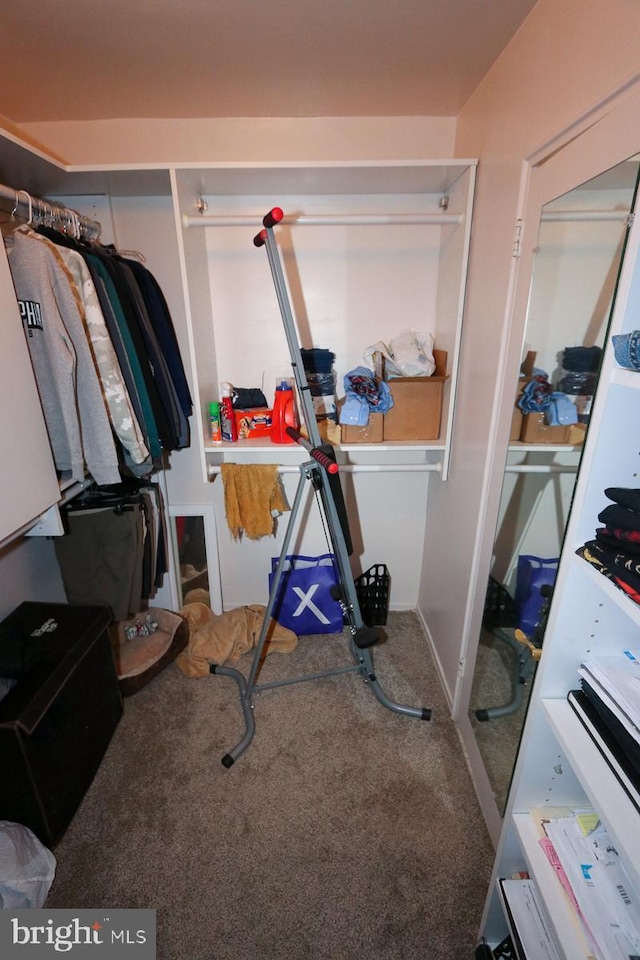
322	471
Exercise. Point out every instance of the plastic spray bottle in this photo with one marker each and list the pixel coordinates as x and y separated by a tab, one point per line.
227	414
215	431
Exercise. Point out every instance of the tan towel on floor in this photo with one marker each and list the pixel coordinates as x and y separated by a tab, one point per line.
216	639
252	494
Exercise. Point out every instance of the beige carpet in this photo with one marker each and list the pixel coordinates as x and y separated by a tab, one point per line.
344	831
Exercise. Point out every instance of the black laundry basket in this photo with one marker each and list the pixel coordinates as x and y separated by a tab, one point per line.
372	589
500	609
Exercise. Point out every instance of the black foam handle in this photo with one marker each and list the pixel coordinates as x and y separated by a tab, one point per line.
274	216
260	239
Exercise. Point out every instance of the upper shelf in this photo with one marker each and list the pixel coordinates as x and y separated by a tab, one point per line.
344	177
26	166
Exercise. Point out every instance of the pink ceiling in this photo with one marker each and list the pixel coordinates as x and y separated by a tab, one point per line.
96	59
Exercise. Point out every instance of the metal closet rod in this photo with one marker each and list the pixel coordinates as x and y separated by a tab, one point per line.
323	220
540	468
36	210
577	216
214	468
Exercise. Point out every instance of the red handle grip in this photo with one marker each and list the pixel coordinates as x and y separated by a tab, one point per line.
329	465
274	216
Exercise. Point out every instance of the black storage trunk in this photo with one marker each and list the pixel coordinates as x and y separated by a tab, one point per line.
57	719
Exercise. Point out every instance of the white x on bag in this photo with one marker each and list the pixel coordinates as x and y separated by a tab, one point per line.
306	601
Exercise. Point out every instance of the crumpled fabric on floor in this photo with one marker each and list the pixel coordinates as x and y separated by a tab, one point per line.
216	639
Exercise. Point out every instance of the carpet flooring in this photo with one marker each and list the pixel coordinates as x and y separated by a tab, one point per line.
344	831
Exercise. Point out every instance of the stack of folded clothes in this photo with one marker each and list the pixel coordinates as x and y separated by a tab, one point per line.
615	552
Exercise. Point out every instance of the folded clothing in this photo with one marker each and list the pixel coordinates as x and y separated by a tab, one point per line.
628	497
616	515
618	539
617	566
364	394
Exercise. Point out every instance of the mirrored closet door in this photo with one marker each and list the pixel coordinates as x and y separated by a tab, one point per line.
576	261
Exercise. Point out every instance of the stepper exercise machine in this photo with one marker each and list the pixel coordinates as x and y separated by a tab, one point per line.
322	471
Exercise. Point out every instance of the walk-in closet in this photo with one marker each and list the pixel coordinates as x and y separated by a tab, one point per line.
310	822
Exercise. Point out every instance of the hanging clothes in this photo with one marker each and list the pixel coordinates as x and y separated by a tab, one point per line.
71	396
105	355
121	414
115	398
114	549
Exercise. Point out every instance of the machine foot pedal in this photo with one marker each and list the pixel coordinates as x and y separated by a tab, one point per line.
366	637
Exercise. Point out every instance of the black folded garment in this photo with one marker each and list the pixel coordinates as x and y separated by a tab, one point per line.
608	537
581	359
248	398
616	515
617	566
628	497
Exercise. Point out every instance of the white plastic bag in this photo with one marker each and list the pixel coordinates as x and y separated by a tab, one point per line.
27	868
410	354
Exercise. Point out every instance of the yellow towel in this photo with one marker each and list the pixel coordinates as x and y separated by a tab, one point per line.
252	495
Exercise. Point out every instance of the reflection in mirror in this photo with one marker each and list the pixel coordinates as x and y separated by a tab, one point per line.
580	246
192	554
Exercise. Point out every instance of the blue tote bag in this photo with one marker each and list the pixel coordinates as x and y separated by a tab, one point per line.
533	574
303	602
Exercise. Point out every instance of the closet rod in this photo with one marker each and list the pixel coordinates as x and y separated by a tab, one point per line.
214	469
38	211
539	468
576	216
325	220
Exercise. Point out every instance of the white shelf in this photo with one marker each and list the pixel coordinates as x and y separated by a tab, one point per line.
610	590
551	894
340	177
626	378
605	793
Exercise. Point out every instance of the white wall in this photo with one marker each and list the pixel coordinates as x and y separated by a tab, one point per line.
29	571
563	61
147	141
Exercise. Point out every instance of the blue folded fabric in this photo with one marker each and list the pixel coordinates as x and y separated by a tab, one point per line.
363	395
560	412
626	349
535	396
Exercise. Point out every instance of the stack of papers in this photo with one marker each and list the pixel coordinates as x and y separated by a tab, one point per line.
605	902
532	934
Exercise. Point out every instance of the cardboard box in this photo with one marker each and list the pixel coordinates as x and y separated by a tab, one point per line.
526	375
516	424
417	407
371	433
57	719
535	429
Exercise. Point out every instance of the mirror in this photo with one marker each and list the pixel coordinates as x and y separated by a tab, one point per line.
579	251
192	554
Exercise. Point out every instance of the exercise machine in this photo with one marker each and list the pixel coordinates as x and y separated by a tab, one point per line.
322	472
